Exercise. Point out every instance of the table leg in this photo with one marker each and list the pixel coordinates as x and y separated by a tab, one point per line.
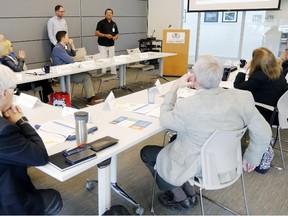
161	69
62	84
122	75
122	79
104	189
139	210
68	84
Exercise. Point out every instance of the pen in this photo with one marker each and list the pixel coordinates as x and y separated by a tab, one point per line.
68	152
34	73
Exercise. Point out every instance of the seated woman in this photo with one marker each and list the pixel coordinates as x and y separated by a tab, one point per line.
195	119
266	81
16	63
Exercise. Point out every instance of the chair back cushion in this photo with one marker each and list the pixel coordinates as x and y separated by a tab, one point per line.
80	53
133	51
221	159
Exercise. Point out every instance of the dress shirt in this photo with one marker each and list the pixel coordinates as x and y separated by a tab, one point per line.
54	25
61	56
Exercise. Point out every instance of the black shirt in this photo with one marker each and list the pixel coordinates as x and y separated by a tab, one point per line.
105	27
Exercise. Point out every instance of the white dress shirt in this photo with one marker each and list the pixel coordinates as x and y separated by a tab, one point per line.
54	25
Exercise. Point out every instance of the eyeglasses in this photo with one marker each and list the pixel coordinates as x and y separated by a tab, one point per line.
15	90
62	11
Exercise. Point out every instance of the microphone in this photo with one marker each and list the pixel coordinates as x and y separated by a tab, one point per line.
153	33
169	26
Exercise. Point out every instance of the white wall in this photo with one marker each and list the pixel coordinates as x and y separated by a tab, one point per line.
163	13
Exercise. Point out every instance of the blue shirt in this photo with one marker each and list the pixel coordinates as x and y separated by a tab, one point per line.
62	56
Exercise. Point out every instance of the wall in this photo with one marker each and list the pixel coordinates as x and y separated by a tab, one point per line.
163	13
24	23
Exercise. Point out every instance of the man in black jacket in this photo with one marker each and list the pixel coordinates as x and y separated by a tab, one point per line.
20	147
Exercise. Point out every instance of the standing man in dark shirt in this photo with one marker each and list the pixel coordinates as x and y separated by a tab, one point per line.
107	33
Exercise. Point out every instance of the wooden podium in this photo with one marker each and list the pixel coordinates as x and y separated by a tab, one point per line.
176	41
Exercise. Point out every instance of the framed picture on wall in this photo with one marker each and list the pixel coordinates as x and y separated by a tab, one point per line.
211	17
229	16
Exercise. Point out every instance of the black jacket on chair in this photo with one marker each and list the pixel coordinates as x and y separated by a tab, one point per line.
20	147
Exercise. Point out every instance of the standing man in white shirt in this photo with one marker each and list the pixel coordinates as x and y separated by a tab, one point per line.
55	24
107	33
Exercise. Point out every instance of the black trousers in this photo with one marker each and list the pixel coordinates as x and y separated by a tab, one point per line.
46	86
148	155
51	198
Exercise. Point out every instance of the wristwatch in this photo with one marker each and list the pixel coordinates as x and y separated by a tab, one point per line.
22	120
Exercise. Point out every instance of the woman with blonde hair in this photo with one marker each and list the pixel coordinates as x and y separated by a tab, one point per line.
265	79
17	64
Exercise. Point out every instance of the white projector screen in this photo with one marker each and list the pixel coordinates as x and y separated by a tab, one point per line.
224	5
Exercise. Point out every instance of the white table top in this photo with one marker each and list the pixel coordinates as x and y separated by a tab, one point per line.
101	118
75	68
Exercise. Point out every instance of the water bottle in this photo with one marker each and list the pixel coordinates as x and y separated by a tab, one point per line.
81	119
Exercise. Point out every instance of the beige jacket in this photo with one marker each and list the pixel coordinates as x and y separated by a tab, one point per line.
195	119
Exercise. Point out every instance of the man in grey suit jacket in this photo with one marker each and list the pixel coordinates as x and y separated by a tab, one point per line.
195	118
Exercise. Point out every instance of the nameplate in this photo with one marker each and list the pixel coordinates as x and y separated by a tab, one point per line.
121	58
69	113
159	87
27	100
109	102
63	69
87	64
143	55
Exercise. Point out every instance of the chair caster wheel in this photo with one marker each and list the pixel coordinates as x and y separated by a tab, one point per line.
139	210
89	185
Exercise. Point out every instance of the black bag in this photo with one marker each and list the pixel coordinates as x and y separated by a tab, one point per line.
117	210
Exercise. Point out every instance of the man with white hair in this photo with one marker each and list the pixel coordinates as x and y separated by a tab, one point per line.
195	119
20	147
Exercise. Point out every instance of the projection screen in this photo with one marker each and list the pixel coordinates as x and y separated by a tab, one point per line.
224	5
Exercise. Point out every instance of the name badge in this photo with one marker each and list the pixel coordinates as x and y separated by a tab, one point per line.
113	29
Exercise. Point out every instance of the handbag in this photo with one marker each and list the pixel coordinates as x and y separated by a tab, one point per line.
61	99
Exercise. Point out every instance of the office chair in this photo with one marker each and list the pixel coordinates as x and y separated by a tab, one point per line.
97	75
80	54
138	65
282	110
221	153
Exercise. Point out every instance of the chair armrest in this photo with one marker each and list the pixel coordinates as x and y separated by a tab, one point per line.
268	107
274	110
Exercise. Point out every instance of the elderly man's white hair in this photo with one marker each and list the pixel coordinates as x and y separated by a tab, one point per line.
7	78
208	72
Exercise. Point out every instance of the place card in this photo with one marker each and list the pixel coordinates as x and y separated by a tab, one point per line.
69	113
27	100
109	102
143	55
159	87
63	68
121	58
87	64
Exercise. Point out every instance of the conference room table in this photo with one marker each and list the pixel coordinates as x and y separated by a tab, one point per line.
102	118
64	71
